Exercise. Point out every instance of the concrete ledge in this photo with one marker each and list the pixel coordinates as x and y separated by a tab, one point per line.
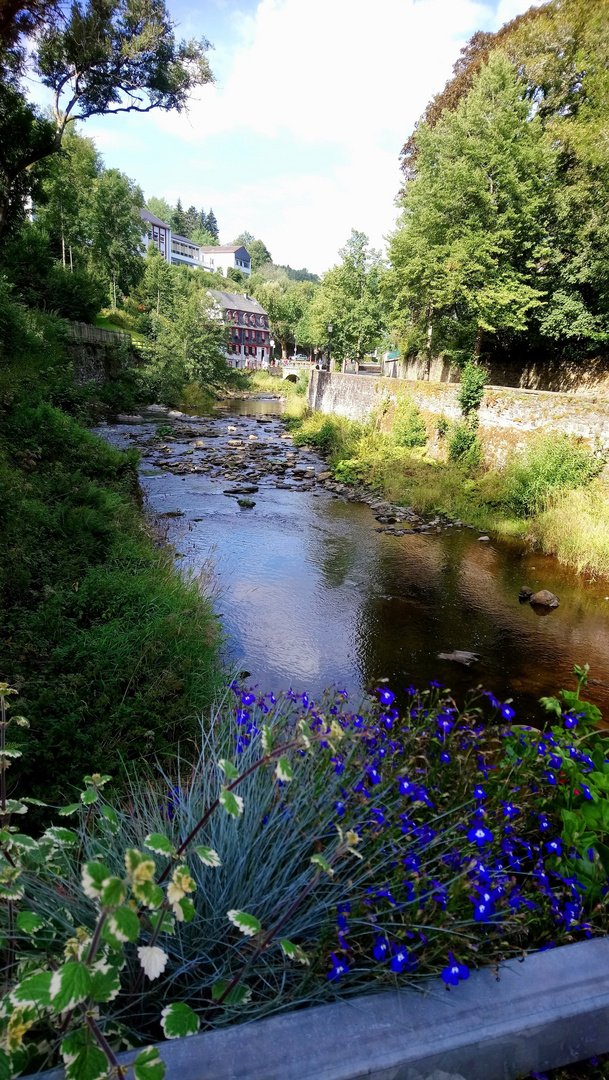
550	1010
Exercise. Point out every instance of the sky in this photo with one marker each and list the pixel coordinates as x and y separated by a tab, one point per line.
298	140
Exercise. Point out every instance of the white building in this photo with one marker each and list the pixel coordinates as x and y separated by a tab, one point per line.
249	336
230	256
177	250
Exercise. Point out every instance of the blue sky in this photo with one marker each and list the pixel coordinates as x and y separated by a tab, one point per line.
298	140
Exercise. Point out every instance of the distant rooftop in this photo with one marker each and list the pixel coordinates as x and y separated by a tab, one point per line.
226	248
236	302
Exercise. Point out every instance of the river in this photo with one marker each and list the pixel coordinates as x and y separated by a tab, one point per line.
310	594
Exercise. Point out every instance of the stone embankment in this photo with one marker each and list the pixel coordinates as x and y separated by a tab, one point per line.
509	417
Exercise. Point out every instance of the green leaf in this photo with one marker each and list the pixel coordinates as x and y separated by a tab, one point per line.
178	1020
66	811
82	1060
14	806
228	769
28	922
239	995
93	875
35	990
187	908
70	985
323	864
247	924
294	952
551	704
105	984
88	797
113	893
148	1065
6	1066
267	738
111	816
233	804
159	843
208	855
284	770
24	842
59	835
124	925
149	893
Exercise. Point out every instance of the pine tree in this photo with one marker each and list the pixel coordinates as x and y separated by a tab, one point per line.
192	220
212	225
178	220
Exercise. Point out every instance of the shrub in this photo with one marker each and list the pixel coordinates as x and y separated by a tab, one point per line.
307	852
442	427
549	464
464	445
408	425
471	387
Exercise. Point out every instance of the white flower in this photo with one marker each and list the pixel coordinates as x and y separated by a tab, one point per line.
152	959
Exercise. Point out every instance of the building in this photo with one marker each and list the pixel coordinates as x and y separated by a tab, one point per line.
177	250
229	257
249	336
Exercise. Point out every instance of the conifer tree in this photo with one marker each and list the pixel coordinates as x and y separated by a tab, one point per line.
178	220
211	224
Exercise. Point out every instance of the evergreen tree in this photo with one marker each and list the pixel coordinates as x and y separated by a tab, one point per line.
177	220
192	219
211	225
469	256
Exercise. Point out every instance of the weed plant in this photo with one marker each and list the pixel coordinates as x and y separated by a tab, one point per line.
408	425
549	465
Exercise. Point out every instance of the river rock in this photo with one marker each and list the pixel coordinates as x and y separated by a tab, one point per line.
545	598
484	538
125	418
246	504
525	594
241	489
460	656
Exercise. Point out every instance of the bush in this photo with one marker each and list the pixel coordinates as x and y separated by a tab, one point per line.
306	852
549	464
442	427
471	387
408	425
464	445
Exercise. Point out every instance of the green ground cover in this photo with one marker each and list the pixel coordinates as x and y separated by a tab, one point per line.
555	494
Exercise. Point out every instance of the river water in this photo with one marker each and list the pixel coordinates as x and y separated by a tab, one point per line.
309	594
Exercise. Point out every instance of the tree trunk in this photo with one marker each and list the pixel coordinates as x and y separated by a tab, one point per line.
71	263
478	345
63	250
114	291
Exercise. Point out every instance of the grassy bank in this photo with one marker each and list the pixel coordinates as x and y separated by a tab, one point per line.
116	654
555	494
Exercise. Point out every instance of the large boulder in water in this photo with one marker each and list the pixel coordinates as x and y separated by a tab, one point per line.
545	598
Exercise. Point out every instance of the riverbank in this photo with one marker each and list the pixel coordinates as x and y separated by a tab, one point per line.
115	654
564	485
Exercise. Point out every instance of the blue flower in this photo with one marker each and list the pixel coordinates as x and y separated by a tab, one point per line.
550	778
445	724
571	720
378	816
509	810
338	968
445	758
585	792
479	835
544	824
483	911
401	960
454	971
436	685
479	793
507	712
340	808
381	948
374	775
387	697
554	847
248	699
492	699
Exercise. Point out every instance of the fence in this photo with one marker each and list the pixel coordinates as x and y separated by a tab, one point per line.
96	335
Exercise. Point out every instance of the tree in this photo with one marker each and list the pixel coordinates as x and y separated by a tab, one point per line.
157	287
244	239
211	225
160	208
259	254
192	220
116	231
469	256
350	299
104	57
285	303
177	219
66	197
204	238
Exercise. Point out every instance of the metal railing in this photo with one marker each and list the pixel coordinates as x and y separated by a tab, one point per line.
97	335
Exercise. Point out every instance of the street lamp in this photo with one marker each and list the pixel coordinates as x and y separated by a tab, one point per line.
271	347
330	329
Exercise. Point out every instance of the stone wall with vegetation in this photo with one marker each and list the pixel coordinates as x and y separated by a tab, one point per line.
508	416
591	378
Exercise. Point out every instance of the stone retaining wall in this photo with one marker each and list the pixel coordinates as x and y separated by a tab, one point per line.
591	377
508	416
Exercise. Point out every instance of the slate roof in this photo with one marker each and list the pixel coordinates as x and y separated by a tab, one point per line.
236	302
226	247
152	220
185	240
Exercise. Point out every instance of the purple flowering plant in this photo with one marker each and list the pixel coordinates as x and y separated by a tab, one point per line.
324	852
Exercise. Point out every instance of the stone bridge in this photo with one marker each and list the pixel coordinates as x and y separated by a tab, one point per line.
292	369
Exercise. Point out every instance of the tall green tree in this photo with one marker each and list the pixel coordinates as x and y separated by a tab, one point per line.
259	254
211	225
350	299
102	57
469	255
193	218
286	304
160	208
116	231
204	238
178	220
67	191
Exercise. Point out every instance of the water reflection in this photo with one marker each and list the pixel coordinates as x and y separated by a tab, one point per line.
311	594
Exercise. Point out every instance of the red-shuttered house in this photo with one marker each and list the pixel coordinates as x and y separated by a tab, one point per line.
249	336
